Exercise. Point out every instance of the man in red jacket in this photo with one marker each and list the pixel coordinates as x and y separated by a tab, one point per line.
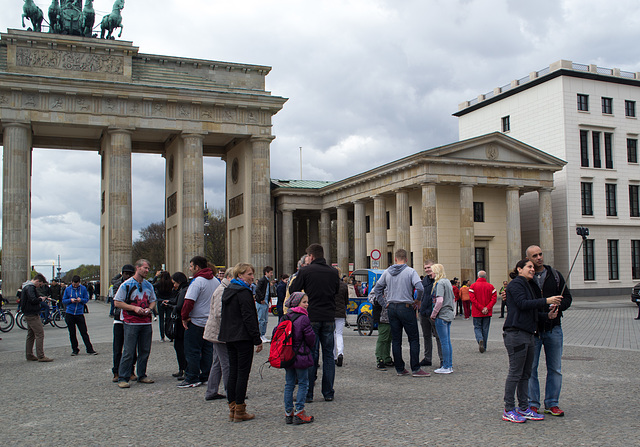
483	296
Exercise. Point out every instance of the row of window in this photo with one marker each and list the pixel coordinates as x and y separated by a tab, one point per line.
596	143
613	261
607	105
367	220
611	199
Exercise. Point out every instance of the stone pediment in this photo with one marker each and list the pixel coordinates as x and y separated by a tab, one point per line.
494	148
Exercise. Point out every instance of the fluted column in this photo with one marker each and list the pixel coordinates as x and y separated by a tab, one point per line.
429	223
287	241
325	234
359	235
193	199
119	223
261	218
546	224
380	228
514	241
16	205
343	241
467	255
403	237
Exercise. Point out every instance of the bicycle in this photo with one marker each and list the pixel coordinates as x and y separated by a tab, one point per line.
55	317
6	317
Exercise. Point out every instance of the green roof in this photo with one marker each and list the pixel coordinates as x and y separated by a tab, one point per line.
306	184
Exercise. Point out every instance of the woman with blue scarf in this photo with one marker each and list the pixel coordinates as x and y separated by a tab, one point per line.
239	330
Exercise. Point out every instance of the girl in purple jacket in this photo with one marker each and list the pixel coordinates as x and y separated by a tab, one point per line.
303	341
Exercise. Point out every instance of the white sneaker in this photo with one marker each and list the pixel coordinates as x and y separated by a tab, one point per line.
443	371
265	339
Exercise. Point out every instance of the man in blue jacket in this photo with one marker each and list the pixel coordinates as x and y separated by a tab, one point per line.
75	297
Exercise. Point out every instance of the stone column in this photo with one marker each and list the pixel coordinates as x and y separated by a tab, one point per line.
261	219
16	206
546	225
325	234
314	230
343	241
287	241
359	235
192	199
514	241
429	223
380	228
467	253
403	237
119	223
303	235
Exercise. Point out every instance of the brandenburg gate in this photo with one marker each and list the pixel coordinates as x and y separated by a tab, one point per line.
77	93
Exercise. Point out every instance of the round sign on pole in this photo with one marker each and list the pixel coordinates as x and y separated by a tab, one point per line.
375	254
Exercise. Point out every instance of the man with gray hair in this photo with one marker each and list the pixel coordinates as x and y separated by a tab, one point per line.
399	281
482	296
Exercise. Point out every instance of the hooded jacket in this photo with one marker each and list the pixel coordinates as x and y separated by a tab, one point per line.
239	318
399	281
75	292
212	328
304	339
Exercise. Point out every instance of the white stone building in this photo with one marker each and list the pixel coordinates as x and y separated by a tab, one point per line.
588	116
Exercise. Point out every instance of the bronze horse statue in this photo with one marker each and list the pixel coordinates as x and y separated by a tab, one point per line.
31	11
112	21
54	17
88	19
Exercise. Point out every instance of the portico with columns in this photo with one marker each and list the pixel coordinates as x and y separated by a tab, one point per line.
451	204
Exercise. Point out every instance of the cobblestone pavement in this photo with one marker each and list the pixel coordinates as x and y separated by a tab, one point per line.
72	401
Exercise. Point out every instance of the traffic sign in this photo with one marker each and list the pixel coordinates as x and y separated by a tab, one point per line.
375	254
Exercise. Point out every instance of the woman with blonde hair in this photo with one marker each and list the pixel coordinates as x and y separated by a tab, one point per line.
442	315
239	330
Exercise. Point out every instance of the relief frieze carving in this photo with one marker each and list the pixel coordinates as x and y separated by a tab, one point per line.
4	100
67	60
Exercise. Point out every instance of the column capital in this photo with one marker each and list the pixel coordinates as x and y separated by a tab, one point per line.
23	124
262	138
546	189
286	208
467	185
198	135
513	188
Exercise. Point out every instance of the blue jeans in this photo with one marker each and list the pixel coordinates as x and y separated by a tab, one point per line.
302	375
263	310
135	336
199	354
324	336
481	329
444	332
401	316
552	341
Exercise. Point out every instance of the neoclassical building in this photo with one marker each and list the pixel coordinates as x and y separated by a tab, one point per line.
458	204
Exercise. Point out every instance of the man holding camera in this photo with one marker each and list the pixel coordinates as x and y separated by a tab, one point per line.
547	282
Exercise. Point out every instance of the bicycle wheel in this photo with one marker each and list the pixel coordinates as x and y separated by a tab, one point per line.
20	321
6	321
58	320
365	324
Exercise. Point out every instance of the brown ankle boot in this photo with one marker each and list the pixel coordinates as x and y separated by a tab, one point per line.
241	413
232	410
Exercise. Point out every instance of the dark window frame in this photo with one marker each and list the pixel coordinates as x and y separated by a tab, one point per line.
607	105
388	221
613	260
584	148
589	262
595	143
608	150
478	211
629	108
367	224
635	258
634	200
506	123
583	102
480	258
586	196
610	194
411	219
632	150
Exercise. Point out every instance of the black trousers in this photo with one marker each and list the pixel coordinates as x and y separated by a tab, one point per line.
240	359
78	321
178	345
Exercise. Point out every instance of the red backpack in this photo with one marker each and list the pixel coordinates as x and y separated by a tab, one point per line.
281	352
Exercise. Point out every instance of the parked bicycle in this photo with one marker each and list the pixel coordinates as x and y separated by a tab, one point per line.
54	317
6	317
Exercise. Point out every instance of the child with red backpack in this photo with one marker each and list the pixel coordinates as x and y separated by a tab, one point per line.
303	341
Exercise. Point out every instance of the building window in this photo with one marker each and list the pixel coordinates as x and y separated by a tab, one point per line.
506	123
608	150
411	218
390	260
632	150
480	259
589	261
634	200
630	108
478	211
610	196
595	138
607	105
388	222
612	252
583	102
635	259
587	198
584	148
367	224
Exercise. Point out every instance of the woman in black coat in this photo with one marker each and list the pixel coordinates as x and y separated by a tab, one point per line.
174	306
239	330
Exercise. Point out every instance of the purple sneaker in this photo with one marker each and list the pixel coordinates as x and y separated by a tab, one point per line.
528	413
512	416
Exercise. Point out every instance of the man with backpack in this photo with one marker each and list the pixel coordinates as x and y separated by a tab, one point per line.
547	282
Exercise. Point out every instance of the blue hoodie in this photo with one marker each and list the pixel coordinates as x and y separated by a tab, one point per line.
399	281
75	292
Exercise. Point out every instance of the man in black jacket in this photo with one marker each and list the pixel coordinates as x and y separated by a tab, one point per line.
321	283
547	282
263	300
30	302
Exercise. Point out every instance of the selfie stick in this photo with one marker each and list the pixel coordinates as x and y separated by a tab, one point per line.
580	231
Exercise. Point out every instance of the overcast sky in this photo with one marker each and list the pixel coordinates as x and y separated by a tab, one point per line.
368	81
